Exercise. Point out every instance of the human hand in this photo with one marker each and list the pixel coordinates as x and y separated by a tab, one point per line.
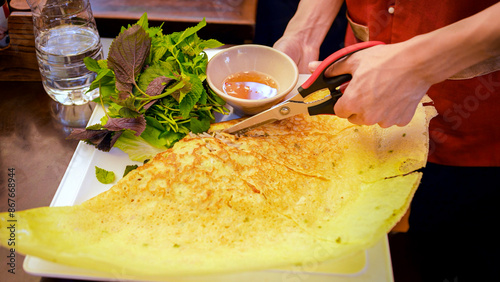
386	87
306	31
300	54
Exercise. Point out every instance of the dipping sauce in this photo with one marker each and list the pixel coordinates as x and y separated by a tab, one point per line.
251	85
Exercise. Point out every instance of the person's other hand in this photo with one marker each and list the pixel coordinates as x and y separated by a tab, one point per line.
299	53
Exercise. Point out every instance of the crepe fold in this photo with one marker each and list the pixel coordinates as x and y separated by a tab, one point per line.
302	189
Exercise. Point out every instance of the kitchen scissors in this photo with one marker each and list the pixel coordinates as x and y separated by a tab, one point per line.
299	104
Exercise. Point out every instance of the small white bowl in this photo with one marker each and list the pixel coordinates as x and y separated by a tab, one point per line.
252	57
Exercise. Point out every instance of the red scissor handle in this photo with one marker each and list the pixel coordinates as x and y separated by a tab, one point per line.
318	81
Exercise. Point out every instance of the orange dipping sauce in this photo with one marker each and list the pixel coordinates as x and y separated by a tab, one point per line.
251	85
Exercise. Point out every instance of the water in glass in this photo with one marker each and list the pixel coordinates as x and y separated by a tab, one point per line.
60	52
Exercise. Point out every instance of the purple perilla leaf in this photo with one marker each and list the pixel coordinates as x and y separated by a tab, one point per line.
108	141
124	87
155	88
127	55
157	85
91	135
137	124
102	139
149	104
123	95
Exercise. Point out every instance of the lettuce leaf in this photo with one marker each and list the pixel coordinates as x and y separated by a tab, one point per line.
136	147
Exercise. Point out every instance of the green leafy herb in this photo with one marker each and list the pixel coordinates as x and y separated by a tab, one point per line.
154	86
129	168
104	176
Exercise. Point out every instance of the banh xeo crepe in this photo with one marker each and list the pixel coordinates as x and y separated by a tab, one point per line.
280	195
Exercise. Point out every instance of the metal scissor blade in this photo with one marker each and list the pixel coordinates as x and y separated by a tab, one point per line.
278	112
245	126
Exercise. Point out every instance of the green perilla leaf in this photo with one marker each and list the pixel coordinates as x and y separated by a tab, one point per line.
104	176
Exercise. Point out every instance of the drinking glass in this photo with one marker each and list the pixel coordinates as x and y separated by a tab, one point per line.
66	33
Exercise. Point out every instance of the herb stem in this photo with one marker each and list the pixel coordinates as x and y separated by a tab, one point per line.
102	102
140	90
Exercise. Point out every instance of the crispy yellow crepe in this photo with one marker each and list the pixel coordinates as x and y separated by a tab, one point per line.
295	190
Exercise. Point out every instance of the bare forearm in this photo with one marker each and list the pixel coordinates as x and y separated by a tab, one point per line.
312	20
446	51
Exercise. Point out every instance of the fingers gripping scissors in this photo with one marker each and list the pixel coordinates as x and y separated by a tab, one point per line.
299	104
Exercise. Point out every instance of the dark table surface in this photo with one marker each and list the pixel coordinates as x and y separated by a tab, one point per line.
33	144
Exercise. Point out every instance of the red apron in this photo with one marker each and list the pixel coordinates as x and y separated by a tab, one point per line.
466	131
